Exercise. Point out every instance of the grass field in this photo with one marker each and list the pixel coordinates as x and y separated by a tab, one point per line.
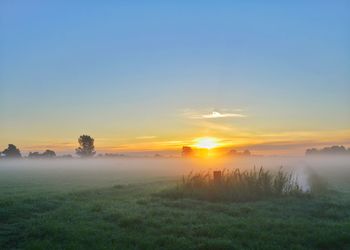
121	210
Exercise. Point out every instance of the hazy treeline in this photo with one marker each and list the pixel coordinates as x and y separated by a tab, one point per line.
190	152
334	150
86	149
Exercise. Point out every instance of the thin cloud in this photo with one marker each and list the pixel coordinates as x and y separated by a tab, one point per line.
212	115
216	114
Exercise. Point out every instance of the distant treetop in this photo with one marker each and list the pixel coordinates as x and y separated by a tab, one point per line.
87	148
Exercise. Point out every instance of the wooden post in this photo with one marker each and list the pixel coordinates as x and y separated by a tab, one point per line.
217	176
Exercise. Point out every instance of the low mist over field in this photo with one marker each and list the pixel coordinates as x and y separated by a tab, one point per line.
89	173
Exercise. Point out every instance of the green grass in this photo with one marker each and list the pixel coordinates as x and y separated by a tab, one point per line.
135	217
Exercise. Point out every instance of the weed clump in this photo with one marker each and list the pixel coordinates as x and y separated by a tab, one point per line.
236	185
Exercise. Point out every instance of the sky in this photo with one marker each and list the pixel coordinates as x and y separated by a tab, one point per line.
269	76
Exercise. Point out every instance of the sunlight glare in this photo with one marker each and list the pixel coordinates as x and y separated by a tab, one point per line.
207	142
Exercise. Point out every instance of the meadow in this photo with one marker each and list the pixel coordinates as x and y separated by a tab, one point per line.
120	204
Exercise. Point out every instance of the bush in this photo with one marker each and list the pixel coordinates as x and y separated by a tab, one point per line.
236	185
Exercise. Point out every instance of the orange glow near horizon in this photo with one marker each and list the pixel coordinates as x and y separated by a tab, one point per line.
258	142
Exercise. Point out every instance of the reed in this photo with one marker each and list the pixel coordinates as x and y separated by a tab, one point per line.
236	185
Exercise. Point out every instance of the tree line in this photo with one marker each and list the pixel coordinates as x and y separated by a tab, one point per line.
189	152
86	149
334	150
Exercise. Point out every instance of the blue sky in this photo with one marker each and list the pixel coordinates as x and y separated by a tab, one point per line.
121	70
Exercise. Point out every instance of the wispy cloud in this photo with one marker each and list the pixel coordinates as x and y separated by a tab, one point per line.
213	115
216	114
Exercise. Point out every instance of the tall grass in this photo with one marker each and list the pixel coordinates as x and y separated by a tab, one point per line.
236	185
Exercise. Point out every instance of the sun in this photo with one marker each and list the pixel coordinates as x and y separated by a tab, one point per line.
206	142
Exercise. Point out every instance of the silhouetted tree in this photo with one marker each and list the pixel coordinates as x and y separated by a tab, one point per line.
87	148
311	151
187	151
246	152
34	155
49	154
68	156
113	155
234	152
12	152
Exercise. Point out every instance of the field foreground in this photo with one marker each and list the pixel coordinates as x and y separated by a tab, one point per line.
134	216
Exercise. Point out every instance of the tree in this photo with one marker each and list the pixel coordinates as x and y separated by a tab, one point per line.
234	152
12	152
34	155
246	152
48	154
311	151
68	156
187	151
87	148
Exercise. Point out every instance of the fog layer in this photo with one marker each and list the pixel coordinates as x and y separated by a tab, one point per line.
84	174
